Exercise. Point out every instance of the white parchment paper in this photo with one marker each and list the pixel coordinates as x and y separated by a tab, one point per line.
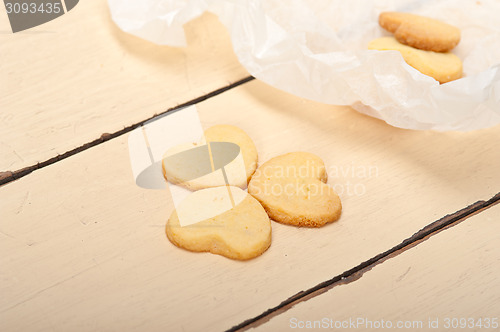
316	49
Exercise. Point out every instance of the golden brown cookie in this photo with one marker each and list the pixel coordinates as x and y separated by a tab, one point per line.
443	67
198	165
241	232
233	134
292	189
420	32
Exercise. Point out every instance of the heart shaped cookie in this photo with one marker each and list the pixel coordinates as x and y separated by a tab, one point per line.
293	190
225	155
420	32
233	134
227	221
443	67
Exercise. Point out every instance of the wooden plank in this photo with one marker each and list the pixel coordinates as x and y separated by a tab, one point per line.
67	82
448	282
81	236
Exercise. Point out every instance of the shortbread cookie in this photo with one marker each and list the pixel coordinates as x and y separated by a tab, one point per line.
226	153
444	67
420	32
240	232
292	189
233	134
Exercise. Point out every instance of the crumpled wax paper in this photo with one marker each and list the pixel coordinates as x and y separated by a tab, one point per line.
317	49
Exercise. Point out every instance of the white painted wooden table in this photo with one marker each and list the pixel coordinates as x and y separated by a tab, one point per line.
83	248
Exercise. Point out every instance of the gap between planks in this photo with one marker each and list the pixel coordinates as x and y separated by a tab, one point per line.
9	176
357	272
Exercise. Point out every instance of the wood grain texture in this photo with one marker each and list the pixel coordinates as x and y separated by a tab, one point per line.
81	236
67	82
452	275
